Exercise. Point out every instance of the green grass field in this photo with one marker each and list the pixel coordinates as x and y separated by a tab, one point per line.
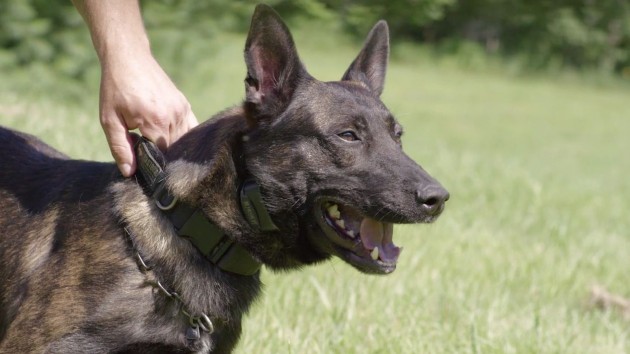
538	174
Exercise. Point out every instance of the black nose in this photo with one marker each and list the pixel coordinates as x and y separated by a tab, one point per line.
432	199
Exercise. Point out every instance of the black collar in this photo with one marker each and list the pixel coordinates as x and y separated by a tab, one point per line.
191	224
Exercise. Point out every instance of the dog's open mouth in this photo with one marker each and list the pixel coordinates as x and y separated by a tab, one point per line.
359	240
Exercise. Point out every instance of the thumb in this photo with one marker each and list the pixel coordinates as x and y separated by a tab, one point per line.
120	144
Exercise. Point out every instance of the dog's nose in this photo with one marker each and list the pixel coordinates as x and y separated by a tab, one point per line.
432	198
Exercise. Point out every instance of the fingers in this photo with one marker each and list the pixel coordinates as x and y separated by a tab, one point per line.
184	123
120	144
137	94
162	132
156	134
165	129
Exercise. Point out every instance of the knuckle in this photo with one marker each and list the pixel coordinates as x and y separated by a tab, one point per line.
162	120
181	111
174	115
106	122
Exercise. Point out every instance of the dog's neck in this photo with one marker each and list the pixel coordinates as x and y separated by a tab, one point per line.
188	190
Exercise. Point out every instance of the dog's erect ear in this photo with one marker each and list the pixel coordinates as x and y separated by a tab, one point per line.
370	65
273	65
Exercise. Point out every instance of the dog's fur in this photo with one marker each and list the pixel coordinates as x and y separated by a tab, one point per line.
70	282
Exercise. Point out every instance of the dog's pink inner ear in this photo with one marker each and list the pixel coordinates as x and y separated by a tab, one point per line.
273	66
268	70
259	78
265	80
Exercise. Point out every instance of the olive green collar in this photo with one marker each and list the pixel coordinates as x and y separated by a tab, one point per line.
190	223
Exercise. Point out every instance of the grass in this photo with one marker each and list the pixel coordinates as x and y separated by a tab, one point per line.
538	173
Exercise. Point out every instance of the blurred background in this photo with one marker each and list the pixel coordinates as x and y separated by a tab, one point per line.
541	35
520	108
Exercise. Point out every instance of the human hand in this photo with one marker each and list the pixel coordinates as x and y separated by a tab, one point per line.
137	94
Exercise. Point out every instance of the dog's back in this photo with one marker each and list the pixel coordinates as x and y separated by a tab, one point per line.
48	200
38	175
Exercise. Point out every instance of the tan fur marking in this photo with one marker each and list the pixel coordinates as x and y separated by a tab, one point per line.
154	235
143	217
39	241
184	176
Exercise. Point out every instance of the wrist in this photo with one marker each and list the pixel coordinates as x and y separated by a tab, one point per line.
116	28
116	48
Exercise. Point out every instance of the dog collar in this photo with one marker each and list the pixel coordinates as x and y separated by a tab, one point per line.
190	222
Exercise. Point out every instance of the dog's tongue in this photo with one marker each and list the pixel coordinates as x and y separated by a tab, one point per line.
378	234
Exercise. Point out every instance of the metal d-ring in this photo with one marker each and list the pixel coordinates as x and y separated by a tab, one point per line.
166	207
204	322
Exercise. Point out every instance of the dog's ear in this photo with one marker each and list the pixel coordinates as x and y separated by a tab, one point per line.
370	65
273	66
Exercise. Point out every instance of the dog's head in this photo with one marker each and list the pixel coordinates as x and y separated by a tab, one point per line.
328	155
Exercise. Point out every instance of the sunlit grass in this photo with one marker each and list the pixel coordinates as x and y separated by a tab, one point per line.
538	173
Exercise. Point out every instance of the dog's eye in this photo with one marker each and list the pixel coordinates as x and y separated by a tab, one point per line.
348	135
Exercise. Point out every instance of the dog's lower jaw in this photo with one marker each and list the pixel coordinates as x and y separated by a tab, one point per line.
289	256
364	243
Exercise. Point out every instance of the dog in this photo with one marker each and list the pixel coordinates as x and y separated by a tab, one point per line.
169	261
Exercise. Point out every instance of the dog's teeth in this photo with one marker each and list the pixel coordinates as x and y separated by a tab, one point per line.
351	233
374	253
333	211
341	223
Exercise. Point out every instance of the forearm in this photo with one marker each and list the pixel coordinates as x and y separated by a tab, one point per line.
116	27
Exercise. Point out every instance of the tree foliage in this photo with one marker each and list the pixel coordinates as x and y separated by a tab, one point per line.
561	33
575	33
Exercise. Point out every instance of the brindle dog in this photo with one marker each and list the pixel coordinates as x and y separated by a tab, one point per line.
90	264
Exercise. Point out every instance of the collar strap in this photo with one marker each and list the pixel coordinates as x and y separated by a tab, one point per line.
253	208
191	224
